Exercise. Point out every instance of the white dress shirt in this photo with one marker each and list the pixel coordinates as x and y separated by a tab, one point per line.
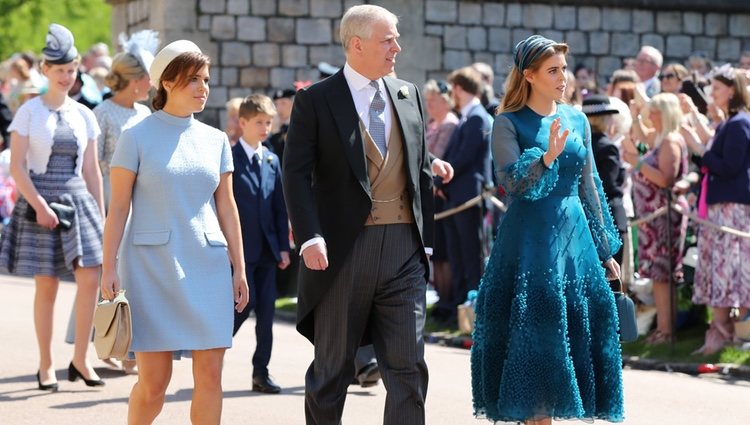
250	151
466	108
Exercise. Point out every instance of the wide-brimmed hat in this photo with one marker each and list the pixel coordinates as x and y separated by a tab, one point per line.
60	46
167	55
598	104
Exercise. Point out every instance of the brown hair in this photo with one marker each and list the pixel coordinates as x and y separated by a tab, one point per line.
179	71
517	89
678	69
125	67
256	104
740	101
468	78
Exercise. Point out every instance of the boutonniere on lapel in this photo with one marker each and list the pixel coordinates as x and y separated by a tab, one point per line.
403	92
269	159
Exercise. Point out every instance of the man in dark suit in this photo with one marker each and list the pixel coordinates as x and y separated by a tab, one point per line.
265	228
358	186
468	152
282	100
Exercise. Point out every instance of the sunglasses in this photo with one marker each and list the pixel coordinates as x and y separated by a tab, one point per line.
667	76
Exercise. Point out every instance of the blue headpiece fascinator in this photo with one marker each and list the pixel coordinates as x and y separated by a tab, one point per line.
527	51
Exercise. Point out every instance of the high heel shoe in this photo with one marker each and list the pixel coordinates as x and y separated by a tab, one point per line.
46	387
74	374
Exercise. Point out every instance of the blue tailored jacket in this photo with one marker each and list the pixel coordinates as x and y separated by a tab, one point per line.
262	209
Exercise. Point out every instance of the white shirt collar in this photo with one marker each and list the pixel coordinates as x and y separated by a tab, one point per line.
465	110
358	81
249	151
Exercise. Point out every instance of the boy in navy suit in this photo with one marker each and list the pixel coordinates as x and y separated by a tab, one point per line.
265	228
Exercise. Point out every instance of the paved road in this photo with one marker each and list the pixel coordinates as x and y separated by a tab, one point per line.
652	397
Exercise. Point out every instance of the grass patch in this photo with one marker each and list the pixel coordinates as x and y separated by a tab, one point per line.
286	304
687	341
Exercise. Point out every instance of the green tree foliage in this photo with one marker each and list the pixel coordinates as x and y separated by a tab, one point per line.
23	23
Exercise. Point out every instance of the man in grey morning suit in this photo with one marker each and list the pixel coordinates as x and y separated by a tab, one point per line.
358	187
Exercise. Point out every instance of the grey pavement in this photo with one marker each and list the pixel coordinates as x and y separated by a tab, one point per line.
651	397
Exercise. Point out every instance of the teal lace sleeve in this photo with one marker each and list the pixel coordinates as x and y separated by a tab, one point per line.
522	175
605	234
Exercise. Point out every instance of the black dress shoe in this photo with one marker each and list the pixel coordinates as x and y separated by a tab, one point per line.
46	387
369	375
74	374
264	384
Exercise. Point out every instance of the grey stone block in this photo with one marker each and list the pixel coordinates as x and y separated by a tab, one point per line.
337	31
238	7
234	53
254	77
236	92
654	40
739	25
565	17
282	77
229	76
599	43
513	15
477	38
250	28
218	97
616	19
692	22
555	35
314	31
429	54
728	49
281	30
503	64
589	18
209	116
500	40
679	46
519	34
577	42
643	21
266	54
716	24
224	27
607	65
206	6
332	54
454	59
705	44
493	14
441	11
262	8
307	74
433	29
454	37
537	16
625	44
469	13
294	7
293	56
204	22
668	22
325	9
484	57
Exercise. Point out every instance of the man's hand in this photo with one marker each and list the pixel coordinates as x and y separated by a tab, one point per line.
442	169
284	263
316	257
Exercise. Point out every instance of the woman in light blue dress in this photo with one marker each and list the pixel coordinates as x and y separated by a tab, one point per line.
545	340
176	173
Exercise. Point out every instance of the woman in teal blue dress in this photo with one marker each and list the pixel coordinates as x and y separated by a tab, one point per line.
545	340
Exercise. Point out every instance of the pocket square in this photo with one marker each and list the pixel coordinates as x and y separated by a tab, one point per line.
403	92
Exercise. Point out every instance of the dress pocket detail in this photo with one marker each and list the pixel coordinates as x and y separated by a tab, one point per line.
151	237
216	239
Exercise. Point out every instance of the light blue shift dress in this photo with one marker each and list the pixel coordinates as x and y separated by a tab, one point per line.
545	338
173	259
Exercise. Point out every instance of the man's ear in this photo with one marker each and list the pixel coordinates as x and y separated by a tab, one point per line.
356	44
243	122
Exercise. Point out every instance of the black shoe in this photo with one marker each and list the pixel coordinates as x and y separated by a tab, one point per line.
369	375
264	384
46	387
74	374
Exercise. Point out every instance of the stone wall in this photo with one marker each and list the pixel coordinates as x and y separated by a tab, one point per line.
258	45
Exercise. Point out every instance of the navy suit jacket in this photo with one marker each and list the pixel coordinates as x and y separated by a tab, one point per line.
469	153
262	212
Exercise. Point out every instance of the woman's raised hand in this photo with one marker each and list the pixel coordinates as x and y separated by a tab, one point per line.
556	142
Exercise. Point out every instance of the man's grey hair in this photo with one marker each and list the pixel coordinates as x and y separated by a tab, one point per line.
358	20
654	54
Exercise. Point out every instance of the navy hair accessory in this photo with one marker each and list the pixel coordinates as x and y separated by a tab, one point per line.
527	51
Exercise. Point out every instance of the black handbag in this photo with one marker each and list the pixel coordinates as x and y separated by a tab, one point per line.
625	312
65	214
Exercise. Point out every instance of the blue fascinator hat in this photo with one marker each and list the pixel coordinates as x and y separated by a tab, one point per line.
60	46
528	50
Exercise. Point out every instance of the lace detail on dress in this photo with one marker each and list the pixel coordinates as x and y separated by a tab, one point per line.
528	177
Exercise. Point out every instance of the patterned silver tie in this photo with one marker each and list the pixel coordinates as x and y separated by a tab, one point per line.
377	124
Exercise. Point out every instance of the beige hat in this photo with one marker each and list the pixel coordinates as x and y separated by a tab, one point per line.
167	55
